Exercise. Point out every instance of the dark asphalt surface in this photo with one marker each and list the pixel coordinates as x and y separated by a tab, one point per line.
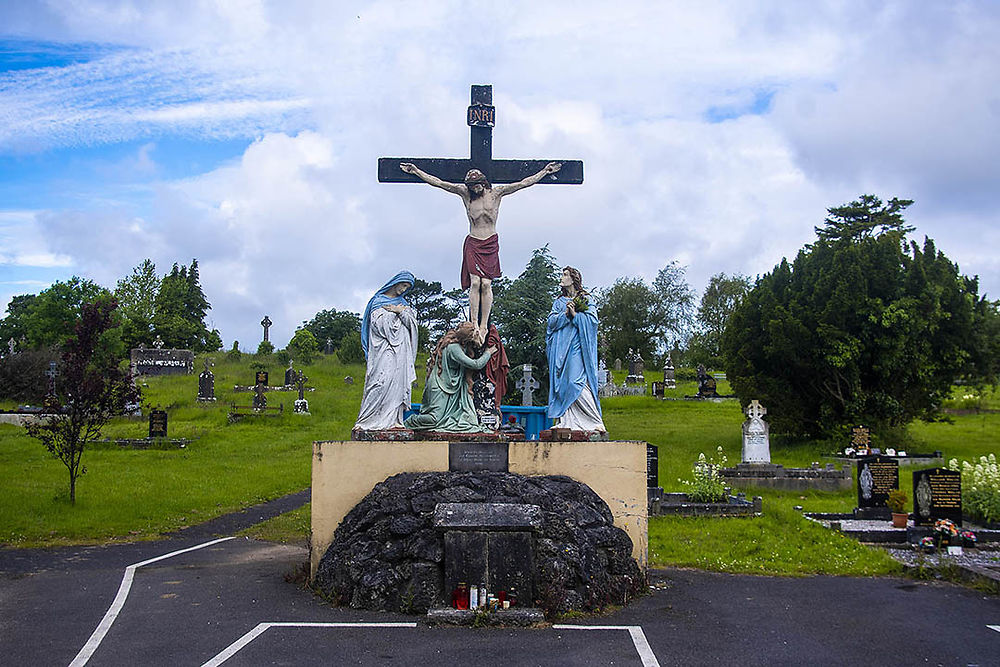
187	609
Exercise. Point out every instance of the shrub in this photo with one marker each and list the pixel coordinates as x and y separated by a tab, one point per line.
350	351
265	348
234	354
707	486
980	487
303	347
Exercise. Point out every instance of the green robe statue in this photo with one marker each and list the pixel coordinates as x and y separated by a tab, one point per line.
447	402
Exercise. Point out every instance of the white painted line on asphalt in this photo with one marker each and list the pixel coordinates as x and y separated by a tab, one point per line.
240	643
635	632
116	606
994	627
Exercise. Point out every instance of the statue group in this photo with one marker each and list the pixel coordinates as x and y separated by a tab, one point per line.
389	329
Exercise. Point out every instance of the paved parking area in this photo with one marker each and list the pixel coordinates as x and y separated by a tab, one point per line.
198	602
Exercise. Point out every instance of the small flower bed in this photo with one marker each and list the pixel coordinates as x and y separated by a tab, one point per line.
980	487
708	486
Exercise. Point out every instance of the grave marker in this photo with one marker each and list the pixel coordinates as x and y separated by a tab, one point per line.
266	323
206	384
937	494
527	385
877	476
157	423
756	442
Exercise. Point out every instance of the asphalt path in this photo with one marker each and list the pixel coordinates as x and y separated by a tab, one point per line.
229	603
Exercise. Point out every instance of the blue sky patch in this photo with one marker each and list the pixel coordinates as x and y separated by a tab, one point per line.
21	54
758	106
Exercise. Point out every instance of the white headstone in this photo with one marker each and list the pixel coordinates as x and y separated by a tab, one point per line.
756	445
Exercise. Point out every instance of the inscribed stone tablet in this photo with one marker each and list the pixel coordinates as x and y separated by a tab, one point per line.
937	494
476	456
158	424
652	466
877	476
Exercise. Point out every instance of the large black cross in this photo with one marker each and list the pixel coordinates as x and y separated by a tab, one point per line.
481	119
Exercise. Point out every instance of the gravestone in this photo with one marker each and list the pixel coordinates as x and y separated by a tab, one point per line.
259	396
658	389
260	377
706	384
861	440
603	376
491	544
877	476
158	361
206	384
937	494
158	343
669	374
484	398
348	380
756	442
51	374
527	385
652	466
301	405
636	368
618	364
289	375
328	348
266	323
158	423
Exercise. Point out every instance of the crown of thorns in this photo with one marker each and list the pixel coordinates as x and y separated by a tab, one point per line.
475	176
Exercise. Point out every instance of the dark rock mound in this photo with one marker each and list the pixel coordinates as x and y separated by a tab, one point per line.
386	554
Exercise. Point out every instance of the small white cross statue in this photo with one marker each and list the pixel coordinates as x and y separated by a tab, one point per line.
755	410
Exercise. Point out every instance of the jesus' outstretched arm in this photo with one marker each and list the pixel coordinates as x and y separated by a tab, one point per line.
550	168
455	188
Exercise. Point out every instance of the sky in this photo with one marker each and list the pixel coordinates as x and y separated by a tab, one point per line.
246	134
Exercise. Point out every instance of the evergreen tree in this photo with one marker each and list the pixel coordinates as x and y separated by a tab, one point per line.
861	328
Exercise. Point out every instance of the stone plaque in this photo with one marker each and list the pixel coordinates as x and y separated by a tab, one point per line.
260	378
158	424
937	494
877	476
652	466
162	362
476	456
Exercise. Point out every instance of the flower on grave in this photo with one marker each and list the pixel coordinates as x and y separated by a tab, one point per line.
926	544
848	451
969	538
946	532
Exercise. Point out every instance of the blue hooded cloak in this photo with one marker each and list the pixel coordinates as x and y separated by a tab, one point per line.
380	299
571	345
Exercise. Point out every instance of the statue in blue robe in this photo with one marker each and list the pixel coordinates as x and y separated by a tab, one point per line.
571	346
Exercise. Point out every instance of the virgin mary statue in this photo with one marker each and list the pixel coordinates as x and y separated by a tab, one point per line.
571	345
389	339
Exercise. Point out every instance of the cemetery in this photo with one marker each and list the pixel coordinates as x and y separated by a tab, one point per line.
466	509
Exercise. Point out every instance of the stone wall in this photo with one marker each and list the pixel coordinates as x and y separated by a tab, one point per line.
387	554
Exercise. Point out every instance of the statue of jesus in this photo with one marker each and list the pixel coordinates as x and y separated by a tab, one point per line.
481	253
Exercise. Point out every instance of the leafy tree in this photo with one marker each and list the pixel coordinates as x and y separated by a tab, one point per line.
51	316
136	296
861	328
332	325
435	311
520	312
720	299
15	324
180	310
93	388
303	346
635	316
350	351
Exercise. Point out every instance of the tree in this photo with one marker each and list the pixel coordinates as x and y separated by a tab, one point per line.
718	302
136	296
861	328
93	388
303	346
51	316
350	351
180	310
521	310
15	324
435	312
635	316
332	325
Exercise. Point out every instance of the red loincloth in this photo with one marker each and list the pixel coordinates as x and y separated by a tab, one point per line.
480	257
498	365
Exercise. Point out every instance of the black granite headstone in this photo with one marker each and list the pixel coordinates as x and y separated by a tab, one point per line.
206	386
658	389
154	361
937	494
877	476
158	424
260	378
652	466
476	456
289	377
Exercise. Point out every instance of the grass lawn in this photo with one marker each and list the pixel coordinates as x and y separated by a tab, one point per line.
130	495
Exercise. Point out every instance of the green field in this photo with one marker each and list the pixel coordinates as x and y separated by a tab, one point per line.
131	495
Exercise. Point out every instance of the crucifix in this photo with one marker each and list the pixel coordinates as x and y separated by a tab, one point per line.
51	374
755	410
473	179
266	323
